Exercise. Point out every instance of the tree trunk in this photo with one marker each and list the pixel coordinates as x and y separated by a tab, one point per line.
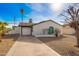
77	37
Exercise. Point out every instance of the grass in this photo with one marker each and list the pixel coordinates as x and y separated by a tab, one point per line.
6	44
64	45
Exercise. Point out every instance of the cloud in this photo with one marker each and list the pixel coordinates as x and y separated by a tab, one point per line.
41	12
38	7
56	7
43	8
38	17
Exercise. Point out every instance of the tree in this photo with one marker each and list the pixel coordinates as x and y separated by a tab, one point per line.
2	28
72	18
22	13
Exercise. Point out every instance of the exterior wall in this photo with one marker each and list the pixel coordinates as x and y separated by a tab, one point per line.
15	31
26	31
38	29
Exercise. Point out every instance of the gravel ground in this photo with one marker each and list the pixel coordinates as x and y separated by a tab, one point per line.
6	44
64	45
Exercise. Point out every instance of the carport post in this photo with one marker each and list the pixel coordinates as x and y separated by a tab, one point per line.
21	32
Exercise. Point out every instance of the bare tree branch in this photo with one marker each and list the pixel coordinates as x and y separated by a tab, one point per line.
65	16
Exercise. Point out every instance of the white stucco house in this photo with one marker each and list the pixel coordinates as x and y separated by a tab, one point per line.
41	29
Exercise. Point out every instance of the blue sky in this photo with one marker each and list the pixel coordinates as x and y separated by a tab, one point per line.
37	11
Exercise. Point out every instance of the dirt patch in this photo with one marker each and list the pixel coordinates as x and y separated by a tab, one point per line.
6	44
64	45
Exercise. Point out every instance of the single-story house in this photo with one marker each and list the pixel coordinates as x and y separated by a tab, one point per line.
44	28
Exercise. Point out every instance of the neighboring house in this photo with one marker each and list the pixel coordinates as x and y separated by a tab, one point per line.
44	28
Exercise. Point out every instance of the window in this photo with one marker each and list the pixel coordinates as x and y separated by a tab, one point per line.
45	31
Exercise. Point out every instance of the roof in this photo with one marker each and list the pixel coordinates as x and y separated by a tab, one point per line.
47	21
66	25
29	24
22	24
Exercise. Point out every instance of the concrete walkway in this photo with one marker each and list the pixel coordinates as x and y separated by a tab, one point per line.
30	46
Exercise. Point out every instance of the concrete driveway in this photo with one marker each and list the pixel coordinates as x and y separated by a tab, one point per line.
30	46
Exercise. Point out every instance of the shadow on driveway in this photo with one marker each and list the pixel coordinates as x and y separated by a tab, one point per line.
33	39
28	39
49	39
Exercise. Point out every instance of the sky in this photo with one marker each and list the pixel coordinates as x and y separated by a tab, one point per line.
37	11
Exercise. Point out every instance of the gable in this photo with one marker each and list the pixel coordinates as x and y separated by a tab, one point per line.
47	24
48	21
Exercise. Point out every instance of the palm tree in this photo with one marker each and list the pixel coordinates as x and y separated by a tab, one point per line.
14	19
22	13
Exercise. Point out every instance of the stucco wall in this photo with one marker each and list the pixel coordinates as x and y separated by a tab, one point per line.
26	31
15	31
38	29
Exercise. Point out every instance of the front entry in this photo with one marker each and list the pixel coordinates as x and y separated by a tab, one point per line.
26	31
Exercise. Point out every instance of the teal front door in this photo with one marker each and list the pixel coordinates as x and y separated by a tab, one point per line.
50	30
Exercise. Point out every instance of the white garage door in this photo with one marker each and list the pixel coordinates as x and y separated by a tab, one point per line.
26	31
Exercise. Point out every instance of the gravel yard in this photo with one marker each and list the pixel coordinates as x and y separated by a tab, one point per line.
64	45
6	44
